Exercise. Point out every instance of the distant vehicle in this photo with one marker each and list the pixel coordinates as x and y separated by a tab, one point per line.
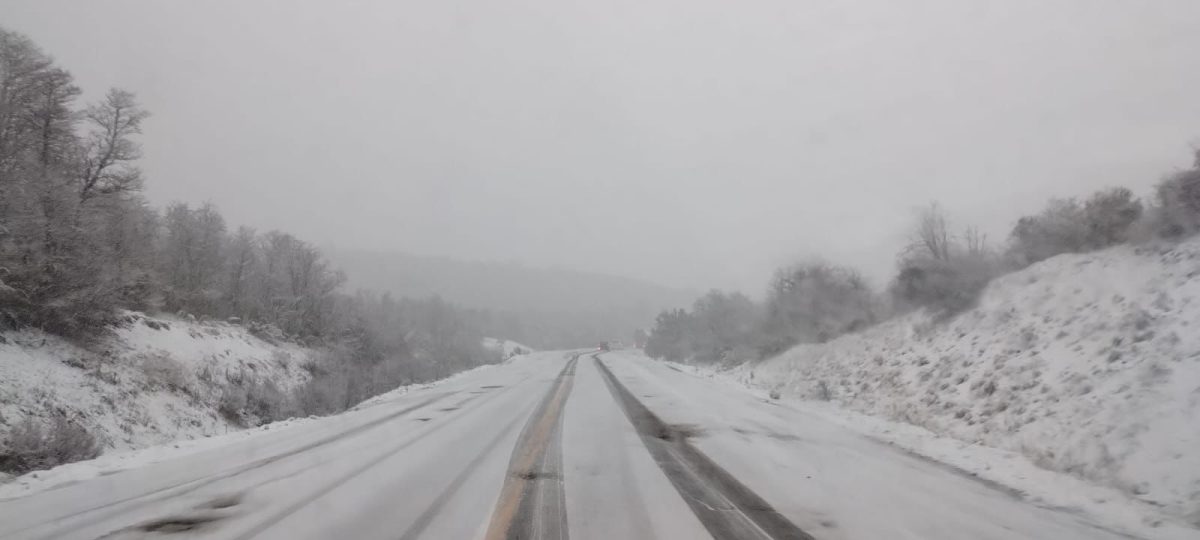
603	347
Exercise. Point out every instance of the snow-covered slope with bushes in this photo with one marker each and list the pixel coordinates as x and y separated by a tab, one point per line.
151	381
1088	364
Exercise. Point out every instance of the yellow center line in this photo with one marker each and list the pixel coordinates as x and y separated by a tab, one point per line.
521	471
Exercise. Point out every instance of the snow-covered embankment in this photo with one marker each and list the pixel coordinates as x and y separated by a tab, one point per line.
1087	364
152	381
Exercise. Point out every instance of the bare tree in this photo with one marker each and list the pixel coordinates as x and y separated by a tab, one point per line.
932	234
242	258
976	241
193	256
110	149
942	272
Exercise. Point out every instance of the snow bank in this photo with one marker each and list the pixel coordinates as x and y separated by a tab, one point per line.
154	380
1086	364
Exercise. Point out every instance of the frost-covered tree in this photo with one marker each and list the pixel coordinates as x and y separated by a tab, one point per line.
1066	226
110	153
52	257
242	264
815	302
670	338
1109	215
722	326
1060	228
23	67
193	257
1176	211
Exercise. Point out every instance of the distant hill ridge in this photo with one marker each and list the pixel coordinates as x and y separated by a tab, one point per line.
500	285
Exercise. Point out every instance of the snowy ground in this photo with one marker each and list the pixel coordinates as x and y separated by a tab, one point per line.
437	461
1085	364
155	380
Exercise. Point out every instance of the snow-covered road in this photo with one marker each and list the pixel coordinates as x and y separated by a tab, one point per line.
549	445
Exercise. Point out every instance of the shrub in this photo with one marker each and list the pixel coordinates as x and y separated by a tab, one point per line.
232	405
341	382
1177	210
669	340
164	372
255	403
938	271
1060	228
329	394
944	286
1109	214
813	303
1065	226
31	447
266	403
823	392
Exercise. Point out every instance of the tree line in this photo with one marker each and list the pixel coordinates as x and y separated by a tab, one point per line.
79	243
939	270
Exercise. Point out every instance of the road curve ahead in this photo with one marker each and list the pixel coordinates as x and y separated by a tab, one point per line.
548	446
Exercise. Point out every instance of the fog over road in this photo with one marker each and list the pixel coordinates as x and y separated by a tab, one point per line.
550	445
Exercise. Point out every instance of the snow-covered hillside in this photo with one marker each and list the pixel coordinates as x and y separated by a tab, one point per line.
154	380
1088	364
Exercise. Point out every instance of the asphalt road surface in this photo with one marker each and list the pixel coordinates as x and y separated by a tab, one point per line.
552	445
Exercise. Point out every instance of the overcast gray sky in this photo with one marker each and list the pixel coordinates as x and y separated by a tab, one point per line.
691	142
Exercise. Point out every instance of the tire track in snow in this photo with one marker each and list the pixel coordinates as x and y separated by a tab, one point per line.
422	522
182	488
357	471
532	502
725	506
